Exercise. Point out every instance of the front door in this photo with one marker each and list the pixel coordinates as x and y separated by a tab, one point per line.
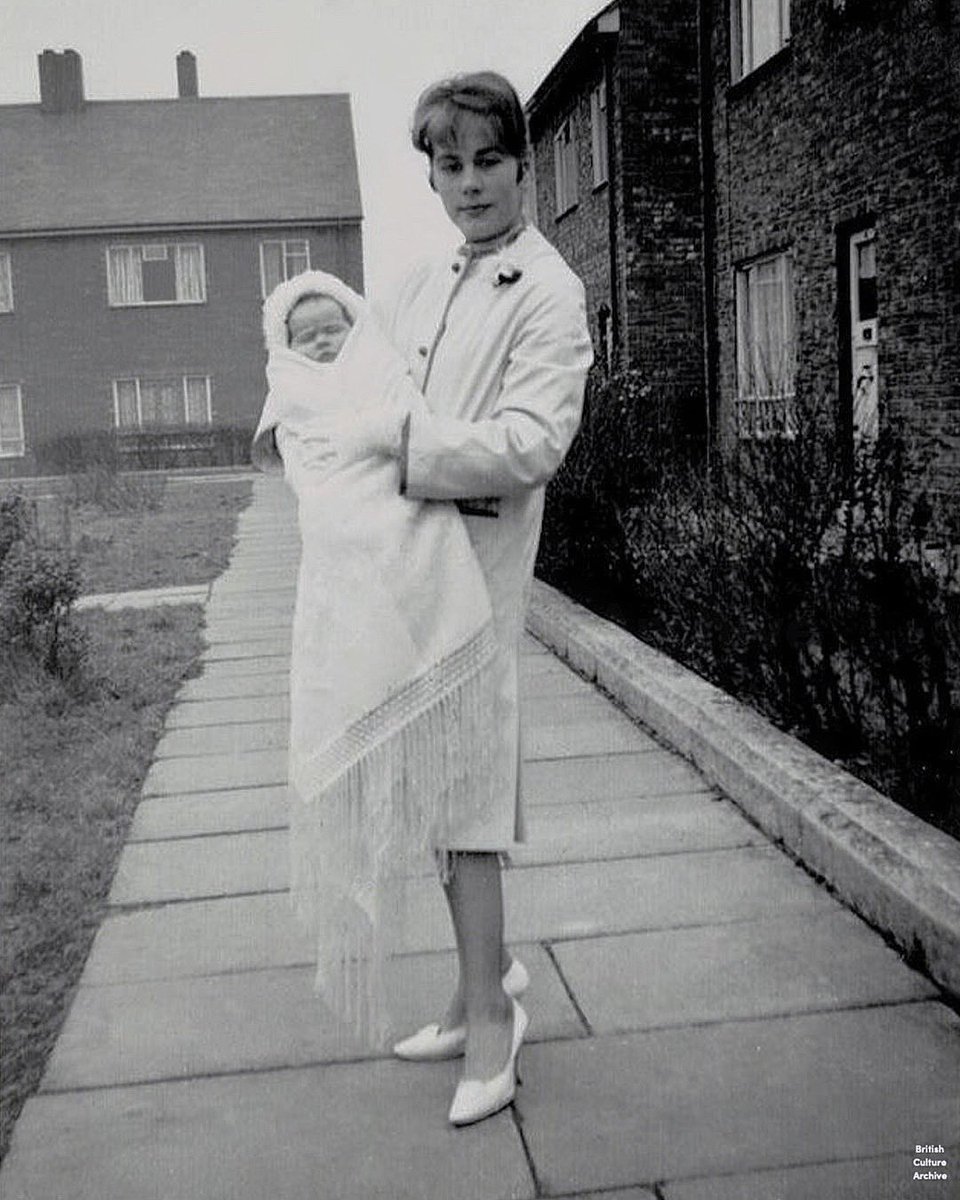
864	382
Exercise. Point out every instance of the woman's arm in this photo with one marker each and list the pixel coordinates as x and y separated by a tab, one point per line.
523	442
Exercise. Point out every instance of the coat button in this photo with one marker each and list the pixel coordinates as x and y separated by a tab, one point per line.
422	351
455	268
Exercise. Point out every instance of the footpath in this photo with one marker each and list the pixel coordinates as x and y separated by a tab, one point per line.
708	1021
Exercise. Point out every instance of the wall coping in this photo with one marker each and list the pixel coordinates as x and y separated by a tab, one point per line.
895	870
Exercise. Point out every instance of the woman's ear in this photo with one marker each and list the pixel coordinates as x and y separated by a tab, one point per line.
522	165
433	186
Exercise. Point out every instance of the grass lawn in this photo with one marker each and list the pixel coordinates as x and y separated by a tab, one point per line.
75	755
185	539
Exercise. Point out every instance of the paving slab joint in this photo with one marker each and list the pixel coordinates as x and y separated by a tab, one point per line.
896	871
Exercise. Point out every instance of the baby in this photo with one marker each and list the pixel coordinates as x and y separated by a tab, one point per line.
317	326
391	683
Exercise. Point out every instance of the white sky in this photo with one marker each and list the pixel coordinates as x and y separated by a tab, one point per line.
384	52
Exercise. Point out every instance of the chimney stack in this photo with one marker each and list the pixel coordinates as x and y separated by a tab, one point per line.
61	81
187	75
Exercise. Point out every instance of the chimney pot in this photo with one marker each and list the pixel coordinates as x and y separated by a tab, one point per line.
61	81
187	85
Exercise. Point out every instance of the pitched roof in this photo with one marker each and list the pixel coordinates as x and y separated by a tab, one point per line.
196	161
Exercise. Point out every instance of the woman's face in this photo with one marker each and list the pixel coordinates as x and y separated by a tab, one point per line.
477	181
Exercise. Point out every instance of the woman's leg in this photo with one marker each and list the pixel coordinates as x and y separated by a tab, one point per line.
475	896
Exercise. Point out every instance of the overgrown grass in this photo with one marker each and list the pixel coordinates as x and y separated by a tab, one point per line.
163	533
74	757
82	702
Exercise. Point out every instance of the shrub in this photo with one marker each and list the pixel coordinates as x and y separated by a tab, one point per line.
15	522
821	591
38	586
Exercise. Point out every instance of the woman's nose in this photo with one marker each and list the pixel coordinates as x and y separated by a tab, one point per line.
470	179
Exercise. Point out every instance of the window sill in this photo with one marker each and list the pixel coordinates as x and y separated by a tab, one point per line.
159	304
599	187
21	453
769	67
567	211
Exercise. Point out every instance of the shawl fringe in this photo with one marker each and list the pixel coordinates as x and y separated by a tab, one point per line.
367	812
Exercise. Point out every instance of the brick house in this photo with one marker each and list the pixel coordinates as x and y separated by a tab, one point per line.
834	193
779	218
137	241
614	131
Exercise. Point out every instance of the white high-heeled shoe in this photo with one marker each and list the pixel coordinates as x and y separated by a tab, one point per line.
476	1099
433	1044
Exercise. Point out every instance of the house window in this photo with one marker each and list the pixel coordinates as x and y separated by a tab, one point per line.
598	132
6	282
162	402
280	260
12	442
565	167
766	352
156	273
760	29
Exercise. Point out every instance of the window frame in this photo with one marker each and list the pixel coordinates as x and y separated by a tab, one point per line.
566	167
21	442
286	274
138	380
177	247
6	280
743	58
599	134
770	413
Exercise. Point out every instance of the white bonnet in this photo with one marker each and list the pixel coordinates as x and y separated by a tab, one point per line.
285	295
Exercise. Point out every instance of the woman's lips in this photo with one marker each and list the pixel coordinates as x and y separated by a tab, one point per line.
474	210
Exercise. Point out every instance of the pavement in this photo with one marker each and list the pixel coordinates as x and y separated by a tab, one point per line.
708	1021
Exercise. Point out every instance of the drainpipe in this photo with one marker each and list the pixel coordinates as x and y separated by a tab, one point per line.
608	50
708	213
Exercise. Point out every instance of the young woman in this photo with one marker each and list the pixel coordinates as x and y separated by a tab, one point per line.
496	337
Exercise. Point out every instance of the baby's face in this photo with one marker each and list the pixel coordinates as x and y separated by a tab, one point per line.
318	328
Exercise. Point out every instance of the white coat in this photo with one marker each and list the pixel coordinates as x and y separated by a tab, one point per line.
499	345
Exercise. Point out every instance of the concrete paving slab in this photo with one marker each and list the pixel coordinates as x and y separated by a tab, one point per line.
339	1132
221	686
224	739
239	710
770	966
200	937
263	664
249	648
214	1024
632	828
190	868
609	734
564	708
886	1178
202	813
240	933
607	777
223	629
728	1098
616	1194
178	776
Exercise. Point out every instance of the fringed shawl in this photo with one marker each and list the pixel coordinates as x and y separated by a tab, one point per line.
390	682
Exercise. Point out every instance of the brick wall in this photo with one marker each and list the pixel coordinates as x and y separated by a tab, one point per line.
64	345
582	234
855	121
652	105
657	107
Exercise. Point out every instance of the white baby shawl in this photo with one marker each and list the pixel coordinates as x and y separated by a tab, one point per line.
390	681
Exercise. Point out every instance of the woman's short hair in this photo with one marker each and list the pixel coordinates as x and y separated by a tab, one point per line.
482	92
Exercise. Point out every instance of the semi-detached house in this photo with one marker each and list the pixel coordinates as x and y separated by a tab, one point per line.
137	242
763	199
